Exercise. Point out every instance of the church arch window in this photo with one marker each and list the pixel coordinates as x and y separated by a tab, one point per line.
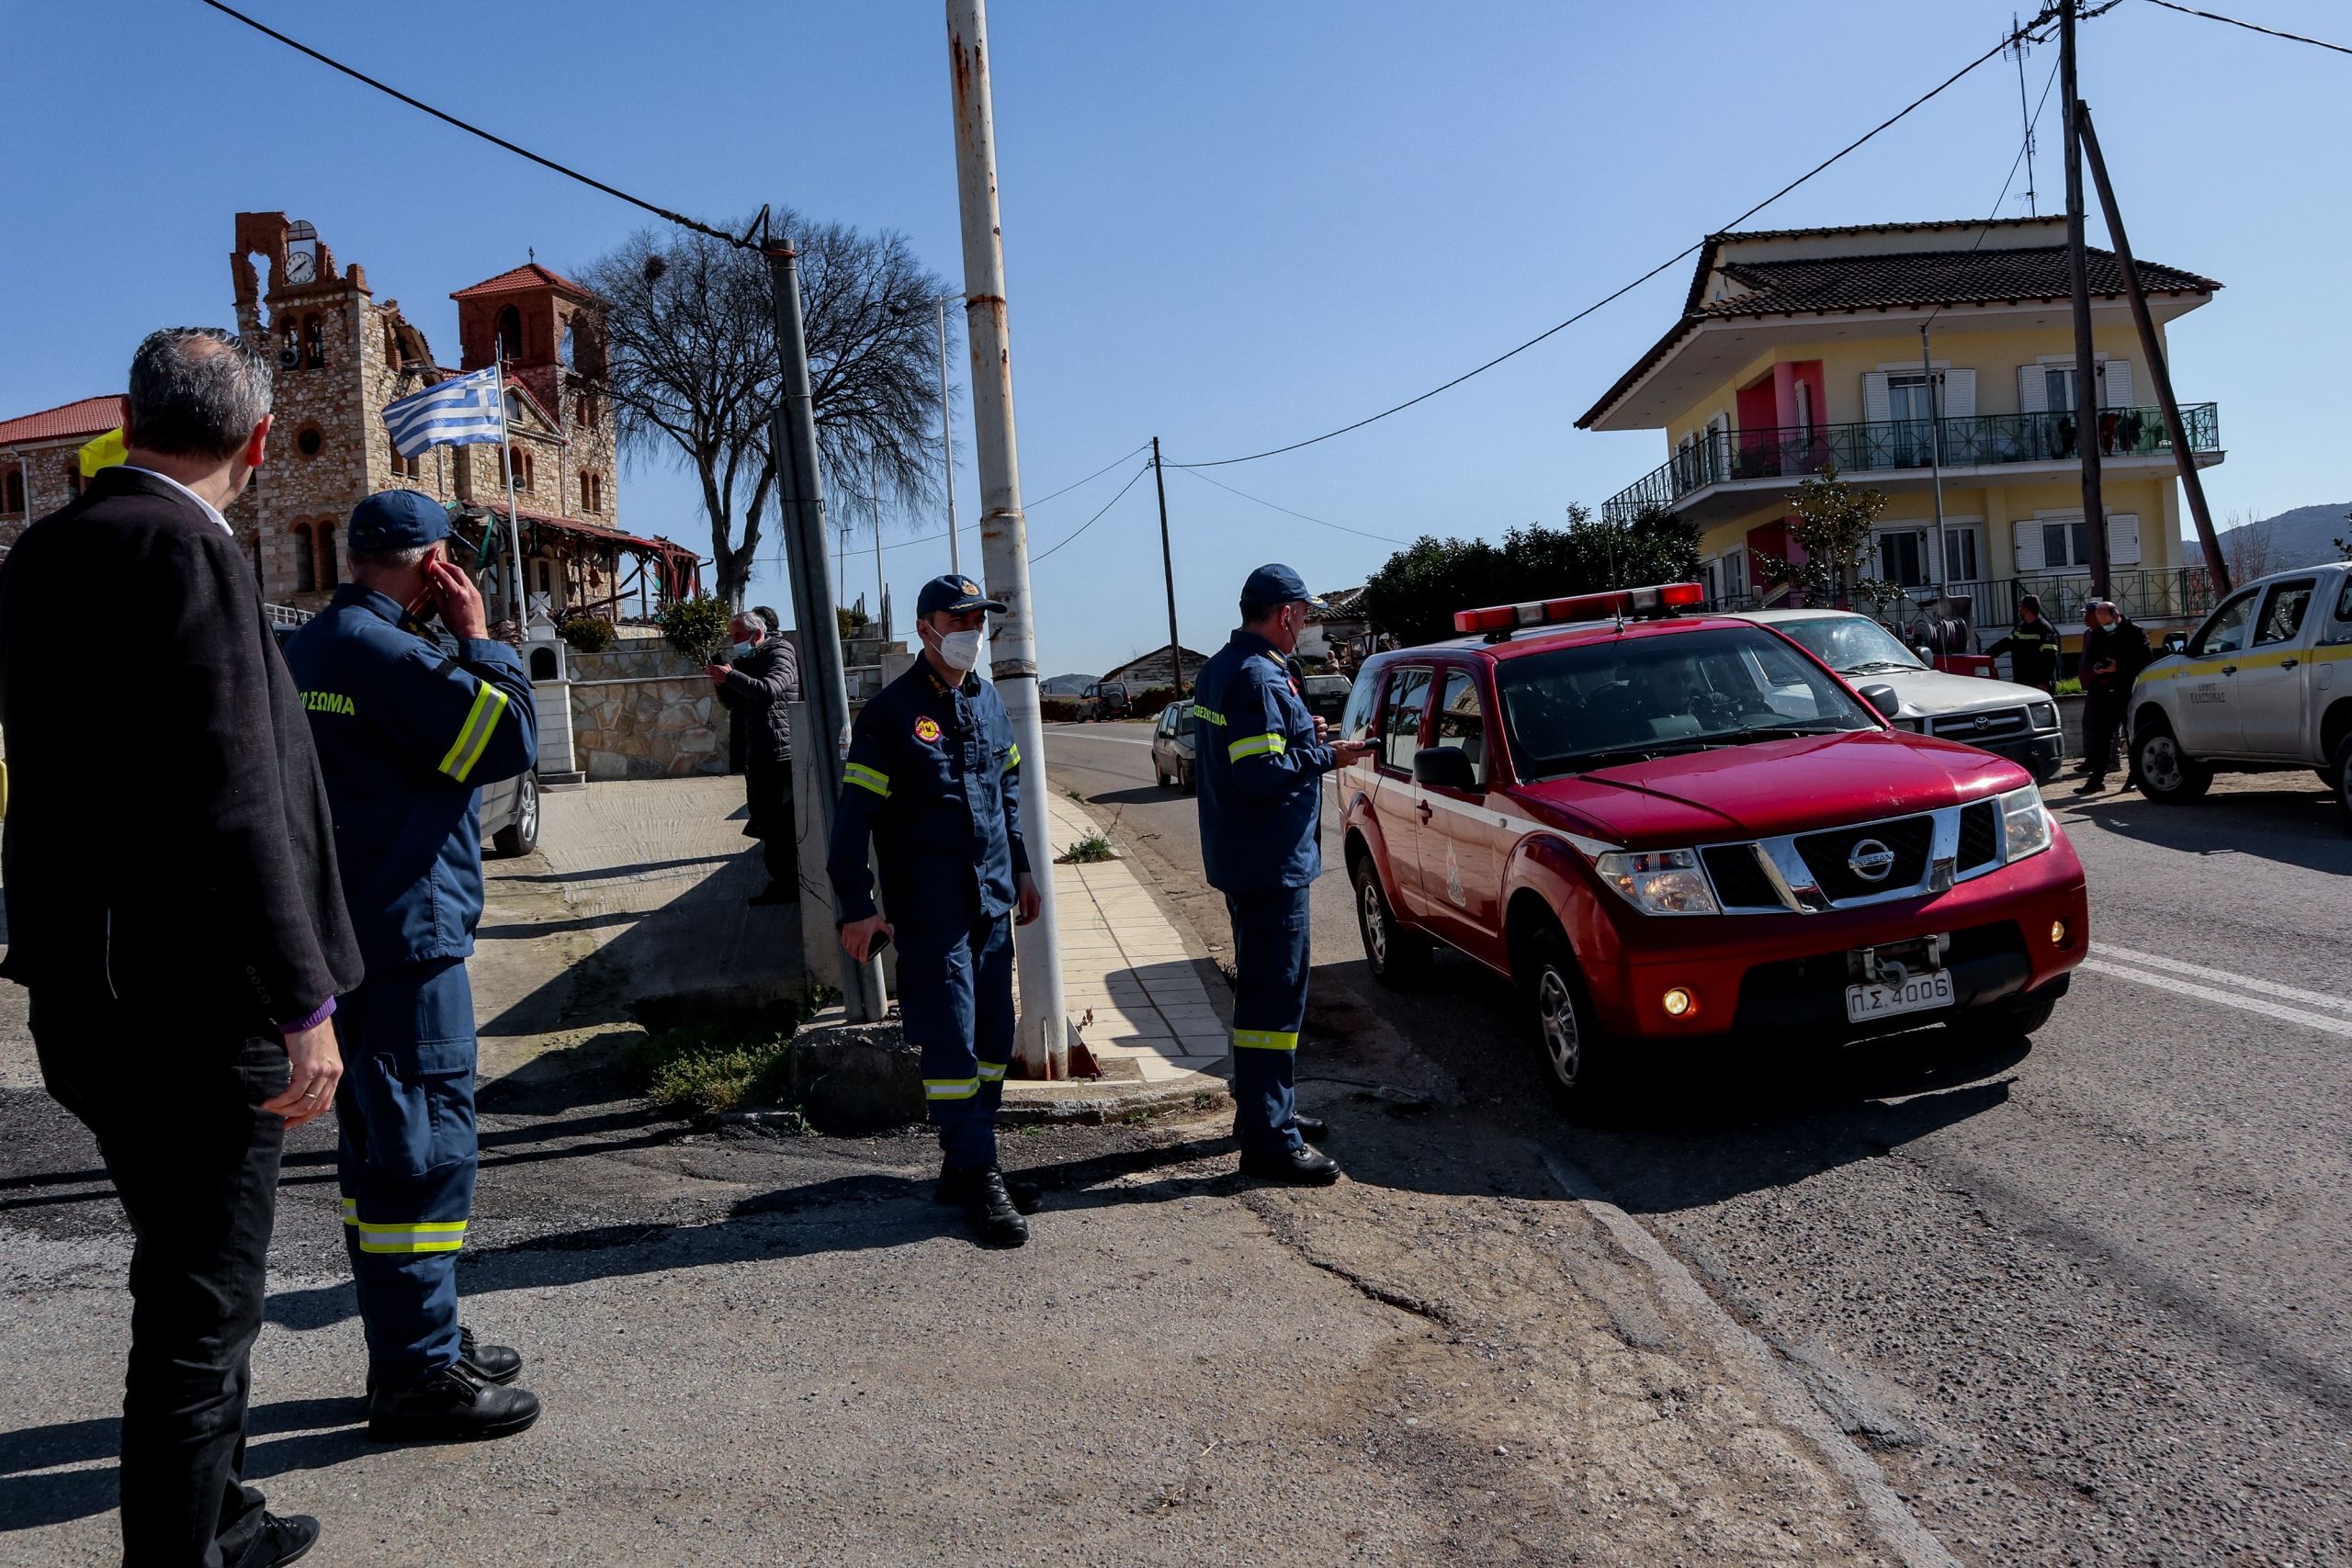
510	333
520	457
11	490
314	341
306	560
309	441
330	564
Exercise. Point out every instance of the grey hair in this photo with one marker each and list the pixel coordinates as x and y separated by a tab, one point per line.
753	619
198	391
390	560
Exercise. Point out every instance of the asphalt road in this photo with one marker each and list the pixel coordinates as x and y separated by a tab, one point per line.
2083	1302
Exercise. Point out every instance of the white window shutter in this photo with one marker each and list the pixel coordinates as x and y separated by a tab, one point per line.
2033	389
1958	397
2028	532
2122	537
1876	410
2118	387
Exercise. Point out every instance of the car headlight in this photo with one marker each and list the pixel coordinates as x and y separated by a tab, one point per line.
1916	725
2025	826
2045	715
1659	882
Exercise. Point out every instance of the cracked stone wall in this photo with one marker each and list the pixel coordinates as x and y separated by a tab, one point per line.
661	726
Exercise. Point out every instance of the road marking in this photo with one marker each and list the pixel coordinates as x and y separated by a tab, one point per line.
2244	983
1075	733
2208	994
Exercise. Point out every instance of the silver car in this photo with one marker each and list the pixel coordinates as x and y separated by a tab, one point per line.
2018	722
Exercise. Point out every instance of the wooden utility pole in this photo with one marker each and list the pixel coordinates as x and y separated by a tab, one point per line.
2182	457
2078	273
1168	567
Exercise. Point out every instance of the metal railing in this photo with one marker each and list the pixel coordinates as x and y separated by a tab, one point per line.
1886	446
2180	593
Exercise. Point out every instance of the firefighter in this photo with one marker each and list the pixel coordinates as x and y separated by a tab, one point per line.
406	735
934	782
1259	759
2033	647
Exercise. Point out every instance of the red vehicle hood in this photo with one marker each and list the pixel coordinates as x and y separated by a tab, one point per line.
1771	787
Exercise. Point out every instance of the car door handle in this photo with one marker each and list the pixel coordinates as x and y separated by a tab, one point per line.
2289	663
2229	669
1426	810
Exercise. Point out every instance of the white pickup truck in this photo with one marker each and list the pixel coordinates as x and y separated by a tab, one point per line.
2265	683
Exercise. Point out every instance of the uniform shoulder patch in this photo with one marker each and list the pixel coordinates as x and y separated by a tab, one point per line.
927	729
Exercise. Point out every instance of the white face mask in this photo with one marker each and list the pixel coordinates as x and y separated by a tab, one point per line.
741	650
960	650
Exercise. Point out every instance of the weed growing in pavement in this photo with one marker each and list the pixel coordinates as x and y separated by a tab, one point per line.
709	1060
1076	794
1092	848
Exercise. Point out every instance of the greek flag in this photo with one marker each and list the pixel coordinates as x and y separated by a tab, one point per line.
460	411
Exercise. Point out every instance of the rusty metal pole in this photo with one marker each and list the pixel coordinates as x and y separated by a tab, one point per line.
1043	1047
2183	459
2078	274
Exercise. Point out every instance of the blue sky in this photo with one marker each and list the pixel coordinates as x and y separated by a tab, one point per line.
1231	225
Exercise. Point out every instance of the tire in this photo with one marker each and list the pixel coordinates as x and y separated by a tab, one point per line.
2019	1017
2341	780
2167	774
1397	956
521	836
1184	777
1159	775
1578	1058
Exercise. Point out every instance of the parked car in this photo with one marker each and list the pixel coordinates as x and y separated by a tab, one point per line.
1326	696
1104	700
2018	722
2265	684
1669	830
1172	746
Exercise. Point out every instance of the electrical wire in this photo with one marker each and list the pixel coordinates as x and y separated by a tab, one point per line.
2251	26
1986	227
1089	522
1261	501
1028	506
2042	18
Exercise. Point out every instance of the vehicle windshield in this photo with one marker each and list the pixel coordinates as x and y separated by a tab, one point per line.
1600	704
1849	644
1322	685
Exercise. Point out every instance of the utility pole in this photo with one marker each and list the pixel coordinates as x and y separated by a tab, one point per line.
2078	274
1043	1045
947	442
1168	567
2183	459
800	506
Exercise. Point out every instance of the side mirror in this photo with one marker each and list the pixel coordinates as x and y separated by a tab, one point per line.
1444	767
1883	698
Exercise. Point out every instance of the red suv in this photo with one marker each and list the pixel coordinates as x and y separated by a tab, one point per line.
1669	828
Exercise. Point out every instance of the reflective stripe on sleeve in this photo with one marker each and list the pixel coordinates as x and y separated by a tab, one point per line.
1013	761
1208	715
473	739
1272	745
1264	1039
950	1089
865	777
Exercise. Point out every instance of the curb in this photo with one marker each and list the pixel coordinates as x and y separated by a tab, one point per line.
1085	1103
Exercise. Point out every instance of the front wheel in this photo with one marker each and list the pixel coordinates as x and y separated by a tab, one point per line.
1577	1057
2342	780
2168	775
1397	956
1184	777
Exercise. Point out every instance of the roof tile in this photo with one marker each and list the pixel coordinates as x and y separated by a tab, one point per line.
84	417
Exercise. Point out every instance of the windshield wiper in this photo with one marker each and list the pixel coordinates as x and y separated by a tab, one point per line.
1791	731
1865	669
1588	761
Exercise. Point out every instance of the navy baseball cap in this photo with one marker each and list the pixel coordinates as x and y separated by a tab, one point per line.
1276	583
396	520
955	595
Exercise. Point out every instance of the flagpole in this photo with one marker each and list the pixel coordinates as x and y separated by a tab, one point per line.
514	518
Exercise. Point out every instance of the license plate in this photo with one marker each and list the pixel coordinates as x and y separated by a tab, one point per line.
1920	993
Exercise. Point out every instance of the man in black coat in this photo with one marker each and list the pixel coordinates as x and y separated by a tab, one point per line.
174	912
2033	647
2114	652
757	687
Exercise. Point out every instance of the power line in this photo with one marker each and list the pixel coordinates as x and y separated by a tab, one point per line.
2251	26
1384	539
2040	19
1031	505
678	217
1089	522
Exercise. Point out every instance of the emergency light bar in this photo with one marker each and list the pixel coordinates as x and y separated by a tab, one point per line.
1622	603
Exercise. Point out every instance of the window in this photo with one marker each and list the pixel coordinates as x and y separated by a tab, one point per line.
592	490
2226	632
1408	696
1903	557
1355	723
1959	553
314	343
330	569
1462	722
510	333
544	574
2282	615
2065	544
521	459
2340	624
1804	407
11	490
306	561
1907	397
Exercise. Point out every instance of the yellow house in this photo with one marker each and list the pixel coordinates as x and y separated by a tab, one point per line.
1801	348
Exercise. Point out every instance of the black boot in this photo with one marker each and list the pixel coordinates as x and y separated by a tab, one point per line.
282	1539
984	1197
1301	1167
452	1406
1314	1129
1027	1196
501	1364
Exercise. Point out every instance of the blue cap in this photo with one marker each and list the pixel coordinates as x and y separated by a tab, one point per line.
955	595
396	520
1276	583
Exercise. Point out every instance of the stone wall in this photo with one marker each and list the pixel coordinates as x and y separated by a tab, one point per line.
50	472
622	663
662	727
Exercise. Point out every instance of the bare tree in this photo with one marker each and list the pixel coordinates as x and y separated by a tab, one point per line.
691	344
2245	545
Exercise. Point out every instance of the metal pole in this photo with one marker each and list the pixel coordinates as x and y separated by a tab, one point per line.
947	442
1168	567
2183	459
514	518
2025	114
2078	273
1004	532
1935	459
874	505
802	503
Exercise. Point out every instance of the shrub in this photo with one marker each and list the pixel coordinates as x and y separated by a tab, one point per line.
1087	851
588	634
1058	710
696	627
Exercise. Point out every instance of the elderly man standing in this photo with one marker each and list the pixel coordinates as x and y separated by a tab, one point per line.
758	684
183	933
2114	652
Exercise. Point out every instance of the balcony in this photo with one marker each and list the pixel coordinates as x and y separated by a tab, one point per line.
2164	597
1730	472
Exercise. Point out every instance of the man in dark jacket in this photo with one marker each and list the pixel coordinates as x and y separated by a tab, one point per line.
2114	652
2033	647
758	687
175	913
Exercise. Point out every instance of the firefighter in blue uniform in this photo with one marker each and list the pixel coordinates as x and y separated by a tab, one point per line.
1260	758
934	782
407	733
